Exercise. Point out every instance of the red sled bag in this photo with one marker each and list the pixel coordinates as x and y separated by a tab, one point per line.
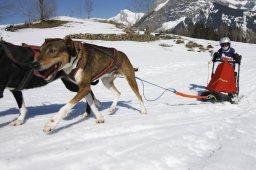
224	79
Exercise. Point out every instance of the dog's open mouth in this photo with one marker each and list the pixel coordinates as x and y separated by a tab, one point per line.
49	73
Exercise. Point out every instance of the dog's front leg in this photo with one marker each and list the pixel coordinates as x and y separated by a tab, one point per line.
22	108
91	102
52	123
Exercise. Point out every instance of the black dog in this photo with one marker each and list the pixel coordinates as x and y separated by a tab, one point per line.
16	74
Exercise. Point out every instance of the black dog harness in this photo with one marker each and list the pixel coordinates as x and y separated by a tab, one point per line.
29	73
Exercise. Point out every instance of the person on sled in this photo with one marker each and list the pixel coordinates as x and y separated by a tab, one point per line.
226	52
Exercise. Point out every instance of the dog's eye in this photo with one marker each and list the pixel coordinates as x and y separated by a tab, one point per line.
52	50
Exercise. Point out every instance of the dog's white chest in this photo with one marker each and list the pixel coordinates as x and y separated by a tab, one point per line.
78	76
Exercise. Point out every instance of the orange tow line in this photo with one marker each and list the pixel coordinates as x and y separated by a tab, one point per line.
191	96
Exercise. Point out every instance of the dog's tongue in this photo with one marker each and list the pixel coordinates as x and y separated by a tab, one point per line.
50	77
38	74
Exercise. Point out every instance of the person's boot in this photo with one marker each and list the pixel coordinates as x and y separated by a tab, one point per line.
233	98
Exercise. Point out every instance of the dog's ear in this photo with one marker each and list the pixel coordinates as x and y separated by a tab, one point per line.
70	46
51	39
68	42
47	39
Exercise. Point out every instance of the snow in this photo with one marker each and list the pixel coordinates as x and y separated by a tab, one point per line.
254	8
177	133
171	24
75	26
127	17
161	5
237	2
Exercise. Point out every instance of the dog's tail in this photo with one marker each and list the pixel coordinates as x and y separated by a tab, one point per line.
136	69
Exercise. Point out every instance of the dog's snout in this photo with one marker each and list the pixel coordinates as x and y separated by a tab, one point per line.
35	65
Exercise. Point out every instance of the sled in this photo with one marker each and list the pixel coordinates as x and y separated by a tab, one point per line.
224	83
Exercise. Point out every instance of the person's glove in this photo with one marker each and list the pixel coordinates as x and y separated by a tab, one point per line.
216	57
237	58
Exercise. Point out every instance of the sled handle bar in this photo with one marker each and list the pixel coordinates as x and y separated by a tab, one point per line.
233	62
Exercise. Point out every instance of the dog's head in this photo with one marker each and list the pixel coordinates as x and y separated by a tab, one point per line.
54	55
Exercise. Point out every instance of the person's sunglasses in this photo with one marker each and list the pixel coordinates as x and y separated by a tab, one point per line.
224	44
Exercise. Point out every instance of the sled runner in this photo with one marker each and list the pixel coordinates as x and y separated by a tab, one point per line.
224	83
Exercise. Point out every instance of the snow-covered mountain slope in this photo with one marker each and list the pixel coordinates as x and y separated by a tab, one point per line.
127	17
239	4
177	15
177	133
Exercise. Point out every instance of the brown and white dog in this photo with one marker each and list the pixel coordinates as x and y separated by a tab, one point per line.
84	63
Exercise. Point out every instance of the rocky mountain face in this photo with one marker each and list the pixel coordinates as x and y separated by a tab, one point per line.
234	18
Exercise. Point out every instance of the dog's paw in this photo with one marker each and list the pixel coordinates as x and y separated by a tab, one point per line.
144	111
50	125
111	109
100	119
17	122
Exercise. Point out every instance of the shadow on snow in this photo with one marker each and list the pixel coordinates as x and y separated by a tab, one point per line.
78	110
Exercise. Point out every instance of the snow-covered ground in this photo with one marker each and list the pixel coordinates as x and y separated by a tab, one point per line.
177	133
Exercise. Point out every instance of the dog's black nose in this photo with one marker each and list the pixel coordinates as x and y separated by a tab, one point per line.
35	65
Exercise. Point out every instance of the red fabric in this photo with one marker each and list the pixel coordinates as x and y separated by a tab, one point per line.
223	79
35	50
115	52
103	71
